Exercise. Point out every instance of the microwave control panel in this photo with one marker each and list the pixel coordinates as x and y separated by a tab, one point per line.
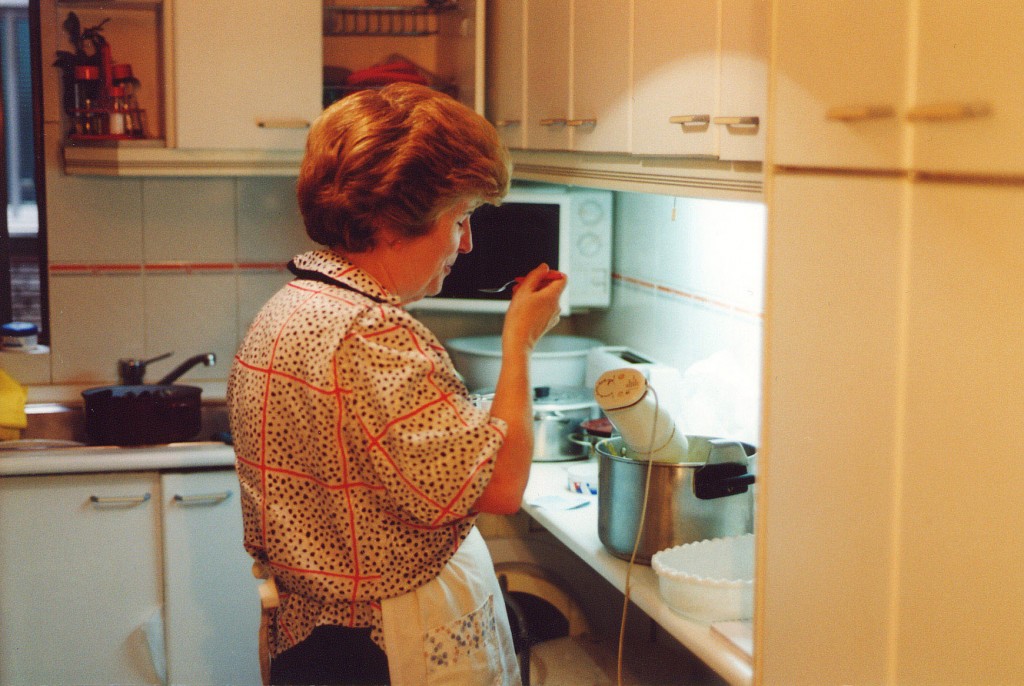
590	238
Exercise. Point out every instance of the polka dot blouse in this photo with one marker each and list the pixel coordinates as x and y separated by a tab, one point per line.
358	451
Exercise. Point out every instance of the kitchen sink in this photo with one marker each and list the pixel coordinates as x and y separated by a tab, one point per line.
63	424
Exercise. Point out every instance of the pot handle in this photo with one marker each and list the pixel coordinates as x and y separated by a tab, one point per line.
720	480
581	439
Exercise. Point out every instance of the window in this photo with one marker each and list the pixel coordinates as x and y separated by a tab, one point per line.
23	260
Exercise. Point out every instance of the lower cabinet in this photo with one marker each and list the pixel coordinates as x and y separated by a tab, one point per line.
127	578
212	608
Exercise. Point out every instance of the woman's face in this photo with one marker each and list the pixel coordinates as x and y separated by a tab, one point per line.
428	259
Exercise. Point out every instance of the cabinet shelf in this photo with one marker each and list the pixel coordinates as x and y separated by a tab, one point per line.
383	20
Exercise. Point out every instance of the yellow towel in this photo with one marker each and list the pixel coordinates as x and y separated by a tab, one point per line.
12	407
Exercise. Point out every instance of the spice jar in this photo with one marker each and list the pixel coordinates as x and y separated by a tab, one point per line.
87	85
134	116
117	111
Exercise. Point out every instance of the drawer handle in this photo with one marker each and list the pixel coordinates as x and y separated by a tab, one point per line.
689	119
118	500
949	111
504	123
553	122
581	122
737	121
202	498
282	123
859	112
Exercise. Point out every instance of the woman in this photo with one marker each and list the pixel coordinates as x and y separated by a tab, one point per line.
362	461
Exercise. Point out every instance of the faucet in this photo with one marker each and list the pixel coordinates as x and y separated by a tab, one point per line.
206	359
132	371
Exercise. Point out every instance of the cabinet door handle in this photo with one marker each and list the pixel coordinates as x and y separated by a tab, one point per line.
581	122
949	111
737	121
282	123
118	500
553	122
503	123
685	119
202	498
859	112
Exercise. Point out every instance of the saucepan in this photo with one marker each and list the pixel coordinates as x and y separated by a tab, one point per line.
558	412
706	497
138	413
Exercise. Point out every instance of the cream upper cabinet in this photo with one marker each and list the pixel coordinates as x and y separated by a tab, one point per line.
675	77
506	97
246	74
547	74
967	111
577	75
700	78
848	93
600	107
743	86
838	83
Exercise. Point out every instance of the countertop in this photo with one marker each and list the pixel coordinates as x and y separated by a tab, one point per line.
172	456
576	528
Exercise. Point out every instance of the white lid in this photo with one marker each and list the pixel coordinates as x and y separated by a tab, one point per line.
619	388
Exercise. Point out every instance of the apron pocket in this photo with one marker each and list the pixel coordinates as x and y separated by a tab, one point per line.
465	651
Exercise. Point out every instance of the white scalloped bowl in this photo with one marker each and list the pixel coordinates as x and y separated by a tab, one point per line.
708	581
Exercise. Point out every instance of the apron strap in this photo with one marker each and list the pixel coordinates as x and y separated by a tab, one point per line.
269	601
323	278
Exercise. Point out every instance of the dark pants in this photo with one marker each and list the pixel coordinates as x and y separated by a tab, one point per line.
332	655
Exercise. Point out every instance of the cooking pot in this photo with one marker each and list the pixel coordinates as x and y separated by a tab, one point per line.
142	414
556	360
557	414
706	497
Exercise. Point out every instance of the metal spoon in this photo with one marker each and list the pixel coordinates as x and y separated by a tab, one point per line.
502	287
552	275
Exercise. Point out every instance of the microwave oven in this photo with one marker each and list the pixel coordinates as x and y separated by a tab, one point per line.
570	229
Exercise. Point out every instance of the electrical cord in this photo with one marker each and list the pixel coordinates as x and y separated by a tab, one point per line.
639	534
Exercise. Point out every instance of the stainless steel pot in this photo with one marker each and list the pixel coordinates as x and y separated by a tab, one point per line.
707	497
557	414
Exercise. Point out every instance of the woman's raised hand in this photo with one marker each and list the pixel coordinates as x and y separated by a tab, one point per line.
534	308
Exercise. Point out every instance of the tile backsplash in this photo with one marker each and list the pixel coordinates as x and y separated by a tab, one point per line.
144	266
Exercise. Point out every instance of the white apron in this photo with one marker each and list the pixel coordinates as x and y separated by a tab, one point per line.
454	630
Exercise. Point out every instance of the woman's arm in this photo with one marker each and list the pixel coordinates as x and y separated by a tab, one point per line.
533	311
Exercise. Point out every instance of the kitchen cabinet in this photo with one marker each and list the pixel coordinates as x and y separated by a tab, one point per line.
506	78
700	78
577	80
212	607
829	442
892	357
133	577
548	66
249	80
960	558
675	82
838	82
966	111
851	91
238	93
81	597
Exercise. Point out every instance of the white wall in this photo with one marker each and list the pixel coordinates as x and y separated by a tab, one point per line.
144	266
688	292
